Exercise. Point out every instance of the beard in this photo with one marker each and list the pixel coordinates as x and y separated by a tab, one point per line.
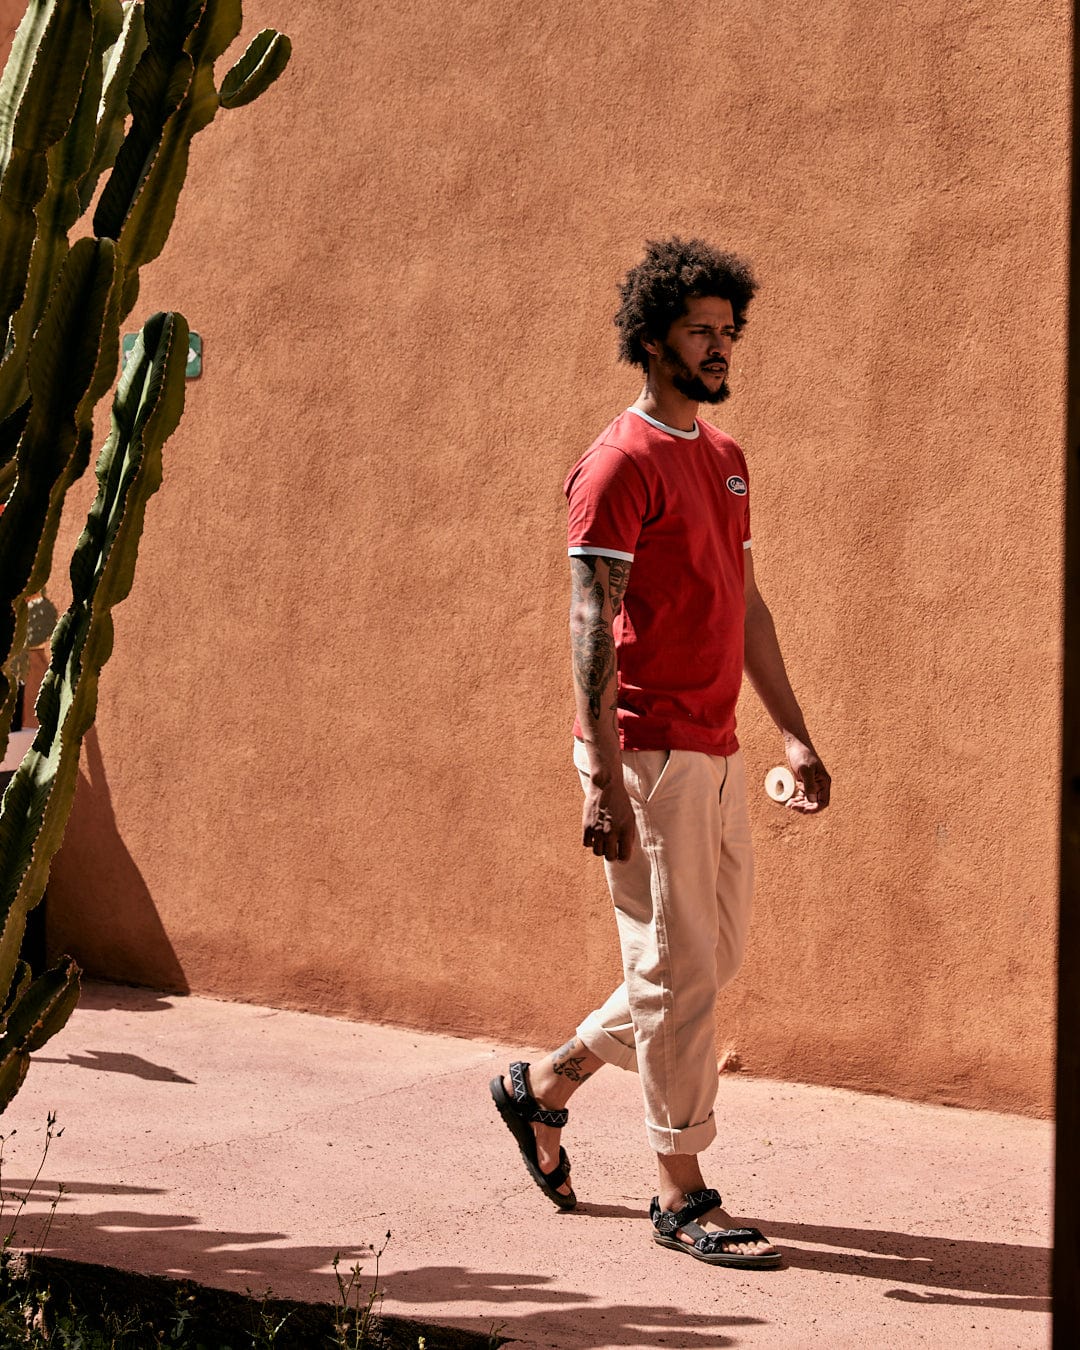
693	386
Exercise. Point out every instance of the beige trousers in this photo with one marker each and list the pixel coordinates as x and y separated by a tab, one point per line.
682	904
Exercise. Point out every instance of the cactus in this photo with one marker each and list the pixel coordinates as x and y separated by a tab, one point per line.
56	211
74	354
79	71
146	410
36	1010
54	155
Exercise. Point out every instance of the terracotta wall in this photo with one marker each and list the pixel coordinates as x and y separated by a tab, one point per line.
332	763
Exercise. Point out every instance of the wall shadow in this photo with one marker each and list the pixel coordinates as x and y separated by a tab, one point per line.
109	996
98	907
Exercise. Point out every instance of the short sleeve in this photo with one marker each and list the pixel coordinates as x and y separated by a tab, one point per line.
608	501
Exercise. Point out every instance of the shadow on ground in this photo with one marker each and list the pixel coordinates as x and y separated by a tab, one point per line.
245	1261
997	1268
109	1061
979	1274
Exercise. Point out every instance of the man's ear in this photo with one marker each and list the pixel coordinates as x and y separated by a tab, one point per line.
652	346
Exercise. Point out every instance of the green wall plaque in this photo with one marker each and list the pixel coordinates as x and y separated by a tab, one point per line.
194	355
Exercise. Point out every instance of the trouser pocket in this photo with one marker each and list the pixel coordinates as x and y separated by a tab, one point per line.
644	772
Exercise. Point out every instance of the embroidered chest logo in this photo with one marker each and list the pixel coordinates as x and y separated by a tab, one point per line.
737	485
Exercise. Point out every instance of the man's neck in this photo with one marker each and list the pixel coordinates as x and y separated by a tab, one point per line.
667	405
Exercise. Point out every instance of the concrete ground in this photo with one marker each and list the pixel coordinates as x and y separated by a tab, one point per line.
244	1146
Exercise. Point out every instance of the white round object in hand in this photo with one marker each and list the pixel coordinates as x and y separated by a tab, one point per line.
780	784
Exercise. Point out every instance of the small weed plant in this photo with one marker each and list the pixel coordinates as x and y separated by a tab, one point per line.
20	1201
356	1317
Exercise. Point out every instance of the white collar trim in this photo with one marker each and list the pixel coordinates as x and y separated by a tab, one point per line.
663	426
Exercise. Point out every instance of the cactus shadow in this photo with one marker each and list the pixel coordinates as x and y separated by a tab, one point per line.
110	1061
178	1243
256	1259
98	907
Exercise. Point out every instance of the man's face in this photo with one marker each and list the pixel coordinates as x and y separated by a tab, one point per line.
696	353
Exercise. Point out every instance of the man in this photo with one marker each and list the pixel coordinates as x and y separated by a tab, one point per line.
665	617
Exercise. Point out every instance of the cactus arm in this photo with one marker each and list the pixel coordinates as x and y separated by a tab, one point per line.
158	86
216	31
20	984
19	68
138	204
37	1012
73	352
11	428
48	1004
69	158
11	673
41	81
58	209
146	411
37	104
157	89
263	62
147	407
121	60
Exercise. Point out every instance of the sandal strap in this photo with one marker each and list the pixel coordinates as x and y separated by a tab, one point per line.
560	1172
697	1204
528	1106
716	1241
667	1222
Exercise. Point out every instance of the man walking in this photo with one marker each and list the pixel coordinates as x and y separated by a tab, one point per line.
665	617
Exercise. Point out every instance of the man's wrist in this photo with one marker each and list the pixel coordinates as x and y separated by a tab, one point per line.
605	763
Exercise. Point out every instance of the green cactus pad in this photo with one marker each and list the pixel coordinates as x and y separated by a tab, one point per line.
265	59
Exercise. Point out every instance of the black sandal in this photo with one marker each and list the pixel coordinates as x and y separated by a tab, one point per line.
518	1112
707	1246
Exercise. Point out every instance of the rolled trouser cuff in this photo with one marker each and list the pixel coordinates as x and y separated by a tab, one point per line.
596	1038
694	1139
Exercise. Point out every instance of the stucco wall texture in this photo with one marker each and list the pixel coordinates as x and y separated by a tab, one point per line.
331	768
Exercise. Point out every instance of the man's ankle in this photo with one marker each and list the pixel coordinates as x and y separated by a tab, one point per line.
554	1079
548	1090
679	1176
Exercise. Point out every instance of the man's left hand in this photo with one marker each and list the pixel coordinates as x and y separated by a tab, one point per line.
812	782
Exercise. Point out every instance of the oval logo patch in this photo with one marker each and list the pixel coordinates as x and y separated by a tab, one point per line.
737	485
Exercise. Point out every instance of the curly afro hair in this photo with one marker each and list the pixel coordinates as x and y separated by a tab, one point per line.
673	271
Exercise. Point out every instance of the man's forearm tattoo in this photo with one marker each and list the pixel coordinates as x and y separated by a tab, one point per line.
568	1065
591	641
594	662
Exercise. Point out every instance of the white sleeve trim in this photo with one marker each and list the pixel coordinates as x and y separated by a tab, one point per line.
587	551
747	542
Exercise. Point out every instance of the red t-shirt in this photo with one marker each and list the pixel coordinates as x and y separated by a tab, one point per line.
676	505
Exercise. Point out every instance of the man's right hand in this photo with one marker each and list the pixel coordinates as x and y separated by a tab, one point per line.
607	822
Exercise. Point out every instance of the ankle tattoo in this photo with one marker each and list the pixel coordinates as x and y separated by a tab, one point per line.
569	1065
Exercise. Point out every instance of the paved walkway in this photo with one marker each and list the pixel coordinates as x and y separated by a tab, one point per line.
243	1146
